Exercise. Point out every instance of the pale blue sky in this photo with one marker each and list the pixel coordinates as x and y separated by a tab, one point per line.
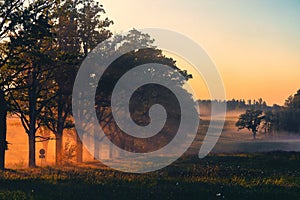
255	43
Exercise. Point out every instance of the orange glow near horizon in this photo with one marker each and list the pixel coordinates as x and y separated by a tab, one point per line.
242	84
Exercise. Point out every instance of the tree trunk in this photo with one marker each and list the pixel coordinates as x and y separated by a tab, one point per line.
96	143
58	149
3	113
32	125
254	135
31	138
59	138
59	133
79	150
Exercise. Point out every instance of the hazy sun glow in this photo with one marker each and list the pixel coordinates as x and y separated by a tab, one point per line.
255	44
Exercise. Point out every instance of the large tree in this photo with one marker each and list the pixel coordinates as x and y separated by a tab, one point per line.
9	19
144	97
79	27
67	50
33	88
250	120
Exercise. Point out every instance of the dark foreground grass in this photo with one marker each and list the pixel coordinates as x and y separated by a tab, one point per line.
232	176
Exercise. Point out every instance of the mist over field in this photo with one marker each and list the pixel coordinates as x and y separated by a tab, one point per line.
234	141
90	109
230	141
17	153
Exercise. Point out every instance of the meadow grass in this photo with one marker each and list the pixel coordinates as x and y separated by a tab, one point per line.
274	175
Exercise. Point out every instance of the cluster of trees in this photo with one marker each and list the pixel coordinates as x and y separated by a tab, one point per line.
42	44
258	116
144	97
273	119
242	104
237	105
285	118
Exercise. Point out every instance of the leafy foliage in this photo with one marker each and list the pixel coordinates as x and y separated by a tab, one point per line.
250	120
144	97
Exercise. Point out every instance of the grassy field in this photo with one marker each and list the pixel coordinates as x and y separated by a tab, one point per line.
274	175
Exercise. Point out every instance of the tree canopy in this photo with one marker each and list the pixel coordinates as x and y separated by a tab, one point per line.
250	120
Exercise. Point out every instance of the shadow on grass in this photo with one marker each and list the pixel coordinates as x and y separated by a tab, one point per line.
274	175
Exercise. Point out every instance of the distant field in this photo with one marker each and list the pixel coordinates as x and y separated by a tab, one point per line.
17	154
234	170
272	176
230	141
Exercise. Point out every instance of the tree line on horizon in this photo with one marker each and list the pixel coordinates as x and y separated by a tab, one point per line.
270	119
238	104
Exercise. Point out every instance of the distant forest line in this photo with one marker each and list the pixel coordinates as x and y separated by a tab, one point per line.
277	118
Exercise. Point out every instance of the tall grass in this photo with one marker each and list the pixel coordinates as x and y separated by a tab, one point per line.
225	176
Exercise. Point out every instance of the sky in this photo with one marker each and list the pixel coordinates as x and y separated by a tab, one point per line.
255	44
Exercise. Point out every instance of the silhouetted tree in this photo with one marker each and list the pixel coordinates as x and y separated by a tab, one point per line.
268	122
250	120
3	113
143	97
33	88
9	20
290	114
79	28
